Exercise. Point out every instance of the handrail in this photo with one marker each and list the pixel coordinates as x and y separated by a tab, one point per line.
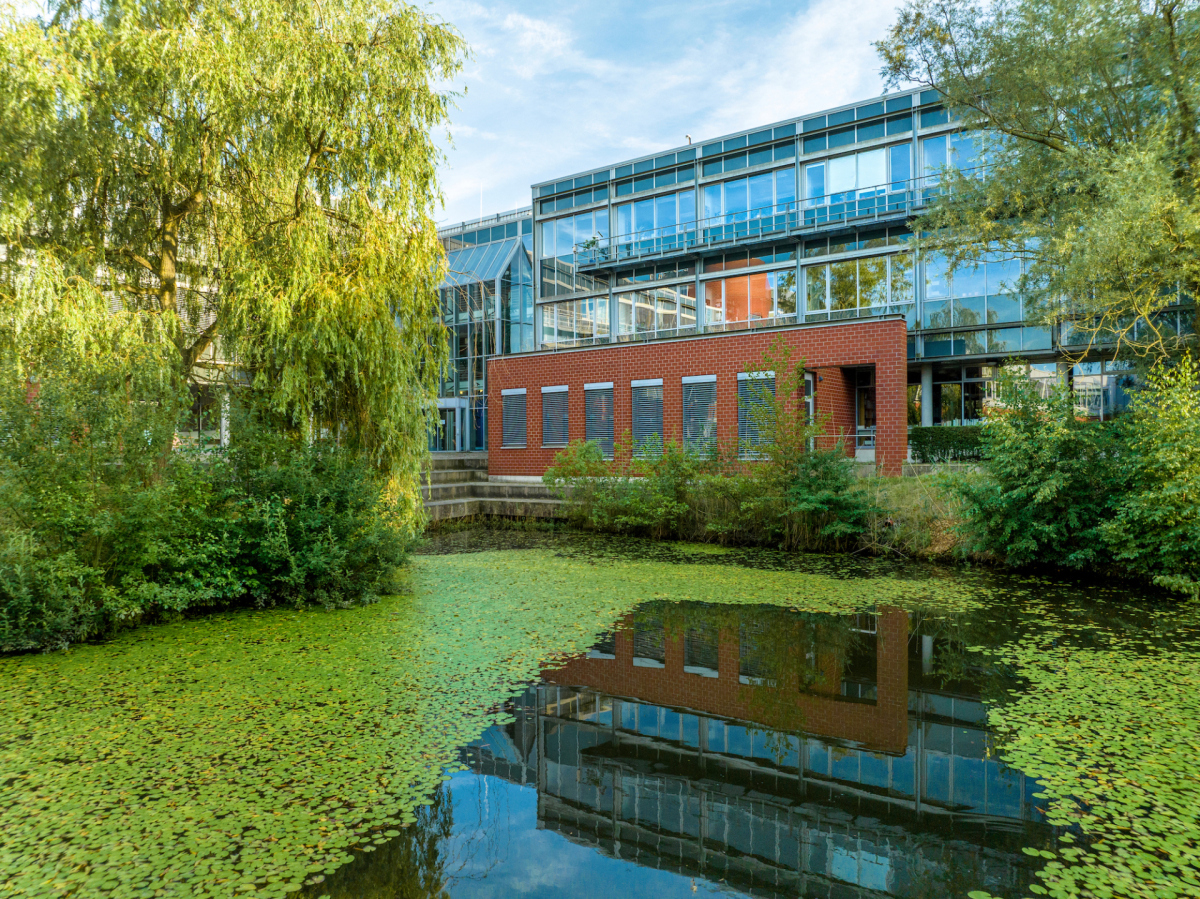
782	219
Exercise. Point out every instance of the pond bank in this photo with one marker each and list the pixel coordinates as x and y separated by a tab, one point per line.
266	750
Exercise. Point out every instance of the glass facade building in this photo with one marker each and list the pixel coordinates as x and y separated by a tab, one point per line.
803	221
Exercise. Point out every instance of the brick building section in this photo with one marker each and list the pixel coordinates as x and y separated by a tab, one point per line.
831	351
882	727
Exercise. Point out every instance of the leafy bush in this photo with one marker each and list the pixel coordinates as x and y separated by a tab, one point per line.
800	493
102	525
946	444
1155	532
1049	479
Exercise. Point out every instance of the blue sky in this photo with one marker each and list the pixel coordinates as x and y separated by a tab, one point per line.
554	88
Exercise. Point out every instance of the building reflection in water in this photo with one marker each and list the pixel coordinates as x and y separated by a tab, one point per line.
783	753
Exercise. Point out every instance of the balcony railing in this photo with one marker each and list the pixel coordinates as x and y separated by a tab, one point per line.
857	207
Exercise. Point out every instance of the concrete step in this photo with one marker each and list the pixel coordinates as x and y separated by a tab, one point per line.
442	492
452	508
454	476
522	508
492	490
458	461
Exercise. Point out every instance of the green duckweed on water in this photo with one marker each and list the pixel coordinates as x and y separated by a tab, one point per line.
259	751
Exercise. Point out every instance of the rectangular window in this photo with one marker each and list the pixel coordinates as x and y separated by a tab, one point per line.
756	412
598	415
513	416
647	406
700	414
555	427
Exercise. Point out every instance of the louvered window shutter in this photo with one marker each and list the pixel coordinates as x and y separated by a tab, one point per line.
513	414
700	414
598	412
647	399
756	394
555	426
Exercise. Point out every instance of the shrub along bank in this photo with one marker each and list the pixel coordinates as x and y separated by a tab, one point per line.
1052	489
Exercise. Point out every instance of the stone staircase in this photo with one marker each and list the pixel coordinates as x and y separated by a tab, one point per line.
457	486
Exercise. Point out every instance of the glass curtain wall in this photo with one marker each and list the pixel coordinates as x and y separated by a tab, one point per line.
487	306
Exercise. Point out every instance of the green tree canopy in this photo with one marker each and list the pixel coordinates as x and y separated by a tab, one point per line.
258	178
1086	112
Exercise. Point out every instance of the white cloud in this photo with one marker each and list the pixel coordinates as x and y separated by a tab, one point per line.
556	88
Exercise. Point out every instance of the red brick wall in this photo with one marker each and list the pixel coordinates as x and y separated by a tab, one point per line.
881	727
826	350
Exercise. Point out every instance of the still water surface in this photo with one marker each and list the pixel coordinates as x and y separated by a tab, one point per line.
702	749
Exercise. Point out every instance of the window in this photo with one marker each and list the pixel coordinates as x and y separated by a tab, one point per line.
649	644
560	237
513	418
647	406
700	414
572	322
664	218
747	298
661	309
745	199
598	416
701	650
756	412
872	285
555	426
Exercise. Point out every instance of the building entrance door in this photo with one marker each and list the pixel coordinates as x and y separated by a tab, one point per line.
448	436
864	415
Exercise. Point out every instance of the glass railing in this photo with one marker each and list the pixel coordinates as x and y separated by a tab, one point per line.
861	206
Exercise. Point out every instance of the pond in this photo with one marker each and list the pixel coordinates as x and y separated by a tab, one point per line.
548	715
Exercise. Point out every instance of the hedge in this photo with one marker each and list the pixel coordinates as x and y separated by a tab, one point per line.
946	443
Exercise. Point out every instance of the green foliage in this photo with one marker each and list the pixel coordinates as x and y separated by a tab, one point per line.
258	177
1048	482
1155	532
1086	115
945	444
799	491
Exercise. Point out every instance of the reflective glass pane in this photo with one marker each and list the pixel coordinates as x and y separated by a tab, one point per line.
565	237
785	186
547	240
814	182
902	278
1003	308
712	201
643	217
969	281
933	154
970	342
687	206
737	295
965	150
936	280
872	170
872	282
936	315
664	212
759	297
736	198
899	165
1003	275
843	178
843	285
968	311
783	289
667	310
713	303
1036	339
624	219
816	279
762	190
1004	340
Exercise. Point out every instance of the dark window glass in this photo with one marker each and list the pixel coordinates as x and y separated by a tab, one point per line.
899	124
785	131
759	137
599	193
758	157
687	269
625	278
938	345
527	226
624	170
814	124
870	132
1036	339
735	162
895	103
1001	308
498	233
686	155
735	143
510	230
899	235
714	264
646	165
662	162
712	167
583	198
649	638
930	96
737	259
784	151
871	239
813	144
599	177
818	247
662	179
598	420
644	183
563	185
546	206
564	202
841	137
711	149
470	237
931	117
583	181
841	118
643	273
1004	340
545	190
687	173
624	187
869	111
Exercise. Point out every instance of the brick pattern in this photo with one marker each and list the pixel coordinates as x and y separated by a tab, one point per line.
882	727
828	350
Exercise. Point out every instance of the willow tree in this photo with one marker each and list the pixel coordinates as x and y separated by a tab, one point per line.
255	176
1086	116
